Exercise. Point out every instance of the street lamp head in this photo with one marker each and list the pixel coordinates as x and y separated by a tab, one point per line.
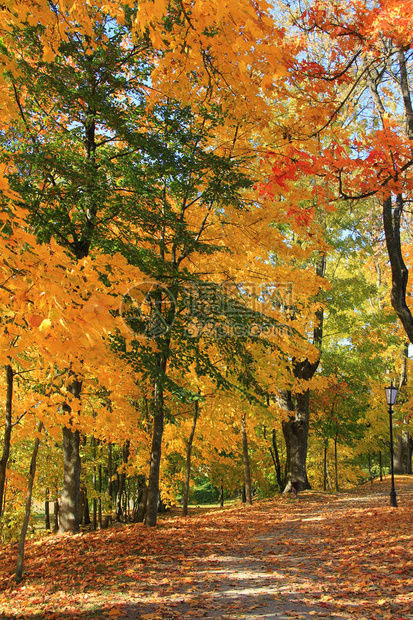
391	394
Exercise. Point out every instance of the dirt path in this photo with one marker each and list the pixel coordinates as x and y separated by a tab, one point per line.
303	567
348	556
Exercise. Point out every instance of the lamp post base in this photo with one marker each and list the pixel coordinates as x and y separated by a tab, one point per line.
393	498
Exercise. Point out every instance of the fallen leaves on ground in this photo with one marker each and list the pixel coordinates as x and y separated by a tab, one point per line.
327	556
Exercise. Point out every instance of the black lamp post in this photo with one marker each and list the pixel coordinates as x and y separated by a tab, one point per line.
391	395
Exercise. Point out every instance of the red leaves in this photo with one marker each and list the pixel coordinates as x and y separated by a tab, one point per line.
303	217
317	556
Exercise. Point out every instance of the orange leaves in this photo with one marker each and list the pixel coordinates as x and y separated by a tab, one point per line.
233	49
286	166
348	167
35	320
289	167
393	20
56	314
362	152
319	556
150	14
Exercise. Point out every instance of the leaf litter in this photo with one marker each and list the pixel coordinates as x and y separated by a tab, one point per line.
320	555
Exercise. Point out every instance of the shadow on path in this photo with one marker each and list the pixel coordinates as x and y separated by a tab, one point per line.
341	556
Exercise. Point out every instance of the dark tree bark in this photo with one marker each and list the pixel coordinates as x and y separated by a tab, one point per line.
400	274
403	441
7	433
246	462
56	508
86	512
140	516
188	459
32	473
392	218
381	466
69	515
108	517
295	431
325	467
336	463
155	461
221	496
120	503
100	496
156	447
47	511
276	460
403	453
161	505
126	500
81	505
94	483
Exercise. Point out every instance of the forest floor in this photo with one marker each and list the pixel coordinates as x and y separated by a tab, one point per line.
318	556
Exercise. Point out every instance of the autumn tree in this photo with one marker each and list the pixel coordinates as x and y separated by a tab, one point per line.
61	149
347	128
364	77
183	156
97	158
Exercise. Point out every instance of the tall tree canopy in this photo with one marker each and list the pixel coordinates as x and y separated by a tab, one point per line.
185	188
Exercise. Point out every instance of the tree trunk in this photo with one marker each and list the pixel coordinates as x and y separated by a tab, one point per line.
69	508
276	460
95	509
154	468
70	502
403	441
295	431
336	464
246	462
403	453
47	511
81	506
86	512
94	484
100	496
7	433
56	508
221	496
325	468
140	517
32	473
110	484
161	505
400	273
156	447
121	510
188	459
391	219
381	466
409	456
